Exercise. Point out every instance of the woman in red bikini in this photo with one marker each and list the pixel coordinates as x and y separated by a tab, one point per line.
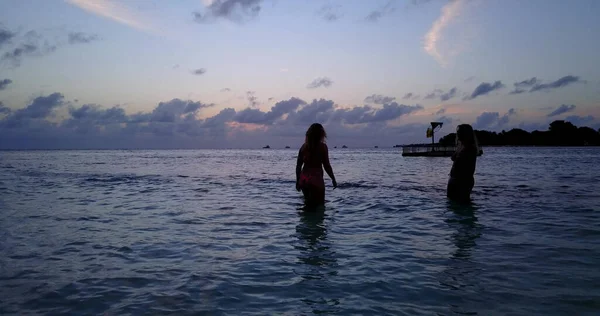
312	158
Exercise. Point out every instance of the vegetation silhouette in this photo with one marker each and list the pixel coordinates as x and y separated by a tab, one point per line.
560	133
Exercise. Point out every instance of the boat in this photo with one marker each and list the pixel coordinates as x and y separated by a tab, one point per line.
267	147
433	149
287	147
344	146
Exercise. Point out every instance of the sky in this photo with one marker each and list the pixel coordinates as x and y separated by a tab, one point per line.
250	73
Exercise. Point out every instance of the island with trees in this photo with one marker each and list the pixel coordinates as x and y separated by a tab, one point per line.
560	133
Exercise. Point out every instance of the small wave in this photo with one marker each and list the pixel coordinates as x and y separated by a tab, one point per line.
363	185
126	179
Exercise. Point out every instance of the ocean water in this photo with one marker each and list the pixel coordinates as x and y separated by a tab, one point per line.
222	232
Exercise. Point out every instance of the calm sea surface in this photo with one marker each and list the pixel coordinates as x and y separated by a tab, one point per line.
210	232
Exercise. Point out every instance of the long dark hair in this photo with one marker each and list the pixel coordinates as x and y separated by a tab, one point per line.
466	135
315	135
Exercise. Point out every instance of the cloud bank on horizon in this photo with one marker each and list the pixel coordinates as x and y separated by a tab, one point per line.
179	123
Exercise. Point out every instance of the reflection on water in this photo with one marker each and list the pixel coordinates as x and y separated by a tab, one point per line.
317	260
461	274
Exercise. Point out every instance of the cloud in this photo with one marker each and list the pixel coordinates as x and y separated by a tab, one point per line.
113	10
486	119
38	110
4	83
329	14
562	109
6	36
485	88
562	82
4	109
445	120
320	82
534	84
419	2
493	119
32	44
255	116
450	12
469	79
177	124
225	90
173	110
367	114
407	96
506	118
379	99
448	95
81	38
199	71
233	10
15	56
440	112
433	94
444	96
376	15
252	99
580	120
522	86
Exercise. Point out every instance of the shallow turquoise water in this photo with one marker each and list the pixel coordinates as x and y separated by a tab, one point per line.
223	233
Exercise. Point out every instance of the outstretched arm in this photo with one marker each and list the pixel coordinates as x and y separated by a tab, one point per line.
327	166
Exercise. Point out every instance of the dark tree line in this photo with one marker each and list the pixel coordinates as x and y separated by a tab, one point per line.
560	133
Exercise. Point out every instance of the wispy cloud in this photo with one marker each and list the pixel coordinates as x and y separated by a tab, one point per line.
376	15
199	71
114	10
252	99
485	88
562	109
534	84
450	12
379	99
562	82
320	82
5	36
81	38
233	10
330	13
4	83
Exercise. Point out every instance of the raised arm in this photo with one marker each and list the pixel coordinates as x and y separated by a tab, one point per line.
327	165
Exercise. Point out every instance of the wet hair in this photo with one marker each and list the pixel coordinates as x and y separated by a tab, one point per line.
465	135
315	135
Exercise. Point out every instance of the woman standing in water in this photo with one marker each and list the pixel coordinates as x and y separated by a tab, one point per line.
312	158
461	175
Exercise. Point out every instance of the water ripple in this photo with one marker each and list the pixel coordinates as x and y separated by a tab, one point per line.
219	232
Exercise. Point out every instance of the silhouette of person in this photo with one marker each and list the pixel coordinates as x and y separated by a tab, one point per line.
313	156
462	179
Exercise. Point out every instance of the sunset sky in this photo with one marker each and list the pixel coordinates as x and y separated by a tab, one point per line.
246	73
